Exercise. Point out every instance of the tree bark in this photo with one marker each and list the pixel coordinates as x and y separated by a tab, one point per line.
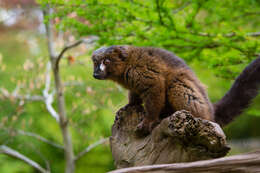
244	163
178	138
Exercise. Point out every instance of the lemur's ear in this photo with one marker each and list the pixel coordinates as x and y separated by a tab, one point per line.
122	52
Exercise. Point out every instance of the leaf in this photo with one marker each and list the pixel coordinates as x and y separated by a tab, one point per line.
71	59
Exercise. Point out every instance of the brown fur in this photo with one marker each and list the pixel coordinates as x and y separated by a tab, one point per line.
156	78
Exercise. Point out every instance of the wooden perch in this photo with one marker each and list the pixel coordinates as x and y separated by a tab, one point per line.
243	163
178	138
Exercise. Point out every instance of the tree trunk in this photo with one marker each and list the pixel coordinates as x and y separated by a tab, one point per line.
178	138
63	121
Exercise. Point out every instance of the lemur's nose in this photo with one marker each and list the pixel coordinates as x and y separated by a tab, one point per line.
96	75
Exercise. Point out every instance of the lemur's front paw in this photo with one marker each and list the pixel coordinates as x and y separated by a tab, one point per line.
145	127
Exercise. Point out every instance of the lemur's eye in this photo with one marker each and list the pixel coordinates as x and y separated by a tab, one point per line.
106	61
95	61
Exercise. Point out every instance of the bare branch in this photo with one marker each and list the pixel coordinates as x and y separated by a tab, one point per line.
63	120
15	95
90	147
40	138
239	163
24	97
34	135
11	152
66	48
48	97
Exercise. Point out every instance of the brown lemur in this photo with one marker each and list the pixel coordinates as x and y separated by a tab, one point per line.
164	84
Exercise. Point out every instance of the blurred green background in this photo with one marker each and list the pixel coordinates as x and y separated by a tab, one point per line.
216	38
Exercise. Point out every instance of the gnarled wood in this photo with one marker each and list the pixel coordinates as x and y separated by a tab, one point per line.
178	138
244	163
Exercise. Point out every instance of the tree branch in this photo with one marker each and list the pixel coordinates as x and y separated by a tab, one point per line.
90	147
40	138
243	163
63	121
66	48
48	97
15	95
11	152
36	136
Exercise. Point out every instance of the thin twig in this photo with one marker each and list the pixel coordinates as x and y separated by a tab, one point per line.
11	152
34	135
40	138
48	97
15	95
66	48
90	147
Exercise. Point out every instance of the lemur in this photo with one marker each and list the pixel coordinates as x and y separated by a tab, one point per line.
164	84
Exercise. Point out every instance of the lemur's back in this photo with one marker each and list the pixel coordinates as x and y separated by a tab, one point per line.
182	87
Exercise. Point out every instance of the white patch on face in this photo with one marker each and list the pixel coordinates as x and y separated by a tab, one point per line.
102	67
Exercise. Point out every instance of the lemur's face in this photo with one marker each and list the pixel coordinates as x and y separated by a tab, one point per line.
109	62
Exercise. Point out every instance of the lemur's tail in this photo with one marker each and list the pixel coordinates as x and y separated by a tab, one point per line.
240	95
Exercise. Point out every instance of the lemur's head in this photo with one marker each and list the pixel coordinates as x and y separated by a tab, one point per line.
109	62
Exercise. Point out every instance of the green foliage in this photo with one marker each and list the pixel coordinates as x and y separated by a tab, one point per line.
218	33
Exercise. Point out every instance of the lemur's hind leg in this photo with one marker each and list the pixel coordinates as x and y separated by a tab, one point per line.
186	95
